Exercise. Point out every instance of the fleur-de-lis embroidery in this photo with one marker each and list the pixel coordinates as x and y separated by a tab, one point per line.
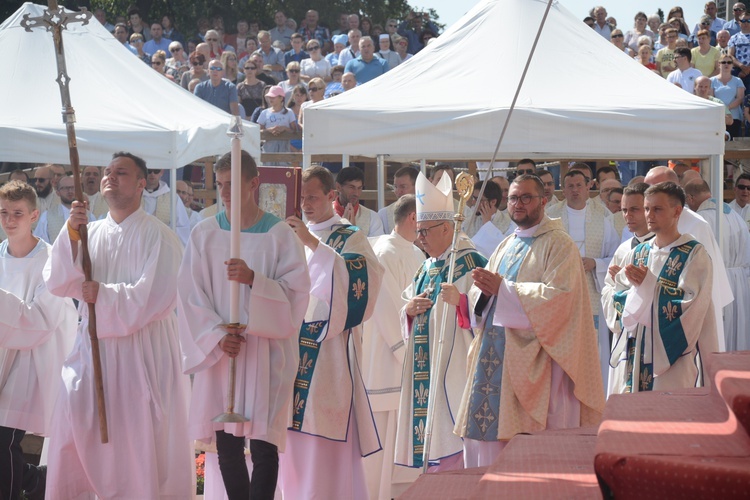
359	288
337	243
487	389
490	361
299	403
670	311
645	379
305	364
314	327
673	265
419	431
484	417
421	394
457	271
421	324
640	256
421	358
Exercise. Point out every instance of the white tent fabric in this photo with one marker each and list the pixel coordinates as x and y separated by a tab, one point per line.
121	104
582	98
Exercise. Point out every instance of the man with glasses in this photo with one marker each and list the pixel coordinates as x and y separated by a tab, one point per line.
741	202
136	41
53	220
429	381
46	197
684	76
534	341
218	91
710	12
734	26
157	201
590	225
296	53
178	63
739	49
548	180
665	62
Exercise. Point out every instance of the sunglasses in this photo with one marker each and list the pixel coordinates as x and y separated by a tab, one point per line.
250	68
152	171
743	187
738	10
618	36
743	21
314	47
176	49
314	89
195	63
725	62
292	71
216	68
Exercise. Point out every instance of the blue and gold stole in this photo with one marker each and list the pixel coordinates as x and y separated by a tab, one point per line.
669	312
429	278
309	343
484	404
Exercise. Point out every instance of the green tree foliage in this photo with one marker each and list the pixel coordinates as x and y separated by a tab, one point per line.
187	12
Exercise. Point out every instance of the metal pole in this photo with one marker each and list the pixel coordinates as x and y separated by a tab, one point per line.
381	182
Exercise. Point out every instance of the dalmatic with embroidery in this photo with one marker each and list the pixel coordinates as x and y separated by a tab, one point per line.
668	318
422	334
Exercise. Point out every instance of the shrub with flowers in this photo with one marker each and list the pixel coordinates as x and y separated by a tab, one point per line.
200	472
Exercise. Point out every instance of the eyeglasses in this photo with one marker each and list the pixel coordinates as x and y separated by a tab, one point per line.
314	47
705	24
739	10
392	26
156	63
152	171
725	62
525	171
524	199
250	68
216	68
618	36
176	49
314	89
743	187
292	71
743	21
423	232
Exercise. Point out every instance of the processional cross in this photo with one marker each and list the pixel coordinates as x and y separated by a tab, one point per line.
55	19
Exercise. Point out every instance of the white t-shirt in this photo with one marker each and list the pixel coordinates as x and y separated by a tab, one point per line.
686	78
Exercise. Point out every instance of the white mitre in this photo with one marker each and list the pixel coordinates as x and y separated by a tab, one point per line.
434	202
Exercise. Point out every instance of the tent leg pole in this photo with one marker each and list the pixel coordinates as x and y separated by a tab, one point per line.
423	166
717	189
381	182
344	161
306	161
173	198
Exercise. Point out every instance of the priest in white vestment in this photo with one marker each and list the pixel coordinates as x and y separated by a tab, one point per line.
741	202
134	260
662	299
533	362
332	426
37	330
432	379
383	346
273	298
157	201
635	218
54	219
735	250
694	224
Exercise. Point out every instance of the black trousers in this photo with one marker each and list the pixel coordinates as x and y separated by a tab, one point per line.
238	484
15	474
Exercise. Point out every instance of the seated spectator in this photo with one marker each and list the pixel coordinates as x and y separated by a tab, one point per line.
589	21
281	32
722	40
334	87
653	23
376	31
665	62
315	66
170	31
137	25
678	24
136	41
296	53
644	57
705	25
703	90
617	39
178	63
339	44
413	27
215	46
276	119
352	51
261	74
121	34
733	26
731	91
401	44
217	90
316	89
157	42
426	36
293	71
639	29
101	16
739	49
239	40
273	58
386	53
196	72
349	81
229	61
705	57
295	101
367	67
661	40
159	63
263	105
684	76
250	90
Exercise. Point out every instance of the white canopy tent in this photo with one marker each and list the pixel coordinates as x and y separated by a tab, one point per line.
582	98
121	104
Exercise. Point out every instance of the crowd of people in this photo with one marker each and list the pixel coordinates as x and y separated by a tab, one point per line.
358	340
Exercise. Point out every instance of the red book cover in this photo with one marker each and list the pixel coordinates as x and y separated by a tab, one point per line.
279	190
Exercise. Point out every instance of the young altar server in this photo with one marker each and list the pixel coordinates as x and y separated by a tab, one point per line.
662	299
274	288
36	333
134	259
332	424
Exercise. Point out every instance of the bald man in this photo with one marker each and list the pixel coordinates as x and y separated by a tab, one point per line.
689	175
735	250
185	192
692	223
